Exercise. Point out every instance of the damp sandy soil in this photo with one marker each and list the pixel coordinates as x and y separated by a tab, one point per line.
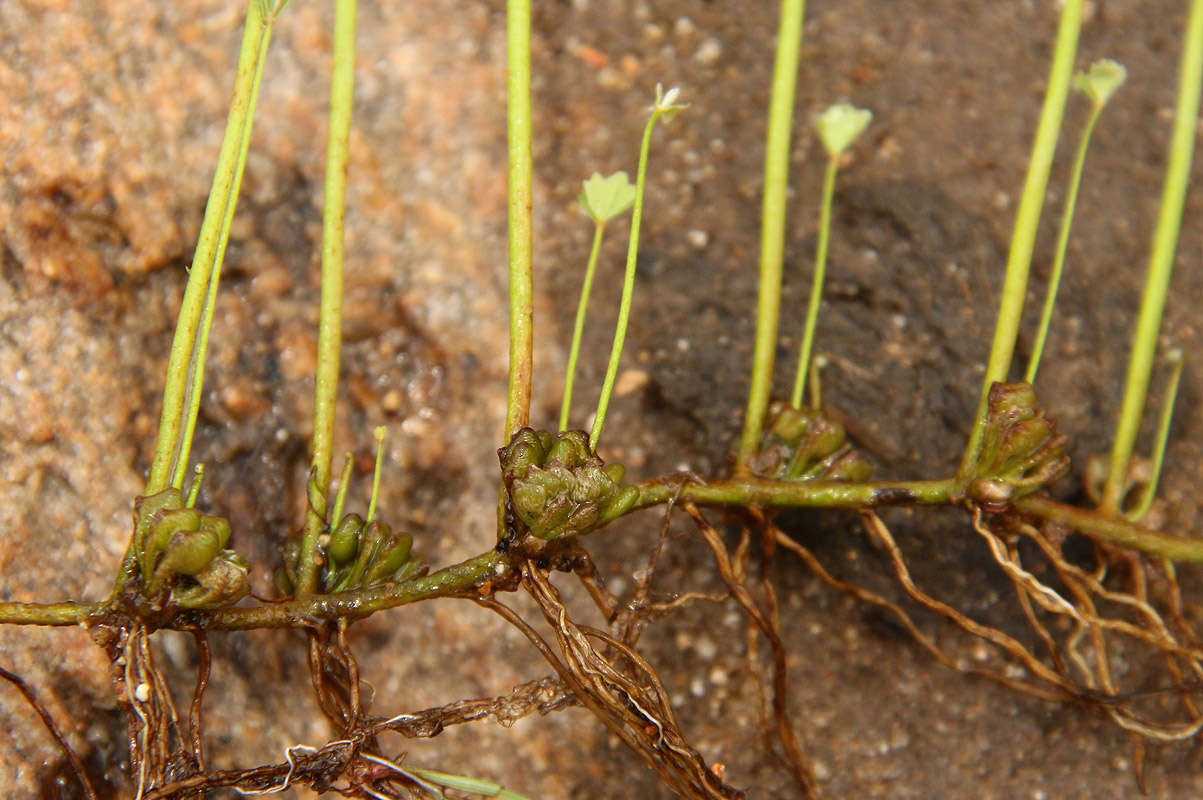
111	123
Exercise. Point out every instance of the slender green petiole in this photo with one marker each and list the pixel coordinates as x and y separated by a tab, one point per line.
379	432
194	489
816	286
344	481
1161	258
521	246
329	340
602	199
1113	75
1027	219
665	107
196	377
816	385
578	327
772	224
518	24
1163	436
838	127
183	369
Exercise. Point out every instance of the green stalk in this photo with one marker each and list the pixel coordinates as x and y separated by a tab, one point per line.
772	224
303	612
578	327
797	494
816	382
1117	530
194	489
816	287
50	614
344	481
196	371
379	433
1067	216
329	340
1161	259
185	366
1163	437
1027	219
628	281
519	133
465	579
518	24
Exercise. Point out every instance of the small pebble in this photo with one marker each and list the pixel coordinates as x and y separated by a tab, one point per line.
391	402
610	78
708	52
631	381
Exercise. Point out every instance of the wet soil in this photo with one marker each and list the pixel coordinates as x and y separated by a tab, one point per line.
111	126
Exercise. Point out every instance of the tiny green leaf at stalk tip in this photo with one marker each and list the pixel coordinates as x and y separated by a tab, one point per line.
839	126
603	199
1103	80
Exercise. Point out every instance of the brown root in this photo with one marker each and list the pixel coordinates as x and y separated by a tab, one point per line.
767	620
72	758
619	686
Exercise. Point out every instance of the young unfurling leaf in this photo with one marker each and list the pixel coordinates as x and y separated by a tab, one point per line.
1103	80
839	126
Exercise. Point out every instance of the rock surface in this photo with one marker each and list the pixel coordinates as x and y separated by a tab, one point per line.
112	119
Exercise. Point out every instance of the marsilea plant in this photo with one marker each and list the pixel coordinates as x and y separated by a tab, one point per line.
1094	584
